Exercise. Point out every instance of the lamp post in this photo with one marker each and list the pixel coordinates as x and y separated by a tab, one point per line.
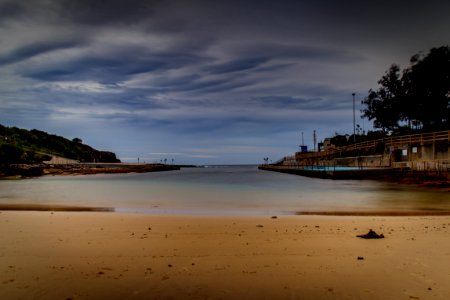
314	140
354	121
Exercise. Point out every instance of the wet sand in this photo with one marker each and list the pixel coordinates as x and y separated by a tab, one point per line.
97	255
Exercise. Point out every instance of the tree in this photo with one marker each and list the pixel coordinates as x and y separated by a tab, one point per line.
10	154
384	105
427	89
77	140
420	97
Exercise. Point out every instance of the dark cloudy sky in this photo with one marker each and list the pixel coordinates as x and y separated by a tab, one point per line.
203	81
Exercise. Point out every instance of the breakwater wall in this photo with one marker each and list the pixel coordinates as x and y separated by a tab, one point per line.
399	175
330	173
35	170
105	168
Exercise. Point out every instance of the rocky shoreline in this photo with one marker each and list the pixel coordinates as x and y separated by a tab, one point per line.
35	170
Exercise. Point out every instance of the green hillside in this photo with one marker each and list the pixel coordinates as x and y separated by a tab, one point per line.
21	146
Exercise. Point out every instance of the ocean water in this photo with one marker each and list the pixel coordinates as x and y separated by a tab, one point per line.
221	190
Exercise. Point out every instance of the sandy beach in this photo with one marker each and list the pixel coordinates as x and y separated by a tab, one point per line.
95	255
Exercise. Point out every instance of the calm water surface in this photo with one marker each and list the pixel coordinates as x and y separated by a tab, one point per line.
220	190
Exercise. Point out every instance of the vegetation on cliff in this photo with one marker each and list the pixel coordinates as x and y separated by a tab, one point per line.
21	146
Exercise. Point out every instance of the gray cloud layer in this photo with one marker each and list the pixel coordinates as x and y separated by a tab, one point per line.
195	77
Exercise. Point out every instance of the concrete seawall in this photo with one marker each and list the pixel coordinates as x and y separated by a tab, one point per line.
379	173
105	168
401	175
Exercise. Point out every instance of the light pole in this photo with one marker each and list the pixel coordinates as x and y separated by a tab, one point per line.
314	140
354	121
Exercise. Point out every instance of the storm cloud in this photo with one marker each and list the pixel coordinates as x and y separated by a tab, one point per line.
205	81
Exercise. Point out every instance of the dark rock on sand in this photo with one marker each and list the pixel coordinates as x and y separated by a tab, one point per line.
371	235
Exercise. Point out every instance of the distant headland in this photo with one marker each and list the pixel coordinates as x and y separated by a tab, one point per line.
29	153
